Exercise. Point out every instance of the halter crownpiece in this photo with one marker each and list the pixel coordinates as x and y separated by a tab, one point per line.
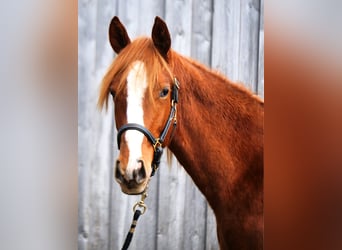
157	143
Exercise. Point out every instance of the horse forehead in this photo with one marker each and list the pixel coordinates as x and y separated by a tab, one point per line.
136	88
137	79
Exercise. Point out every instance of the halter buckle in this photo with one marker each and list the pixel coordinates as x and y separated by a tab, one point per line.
176	83
157	144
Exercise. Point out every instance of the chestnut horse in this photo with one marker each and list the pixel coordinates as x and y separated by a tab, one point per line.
219	133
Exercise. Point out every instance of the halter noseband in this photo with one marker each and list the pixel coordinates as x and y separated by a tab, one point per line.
157	143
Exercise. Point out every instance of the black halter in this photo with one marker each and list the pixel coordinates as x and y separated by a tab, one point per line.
157	143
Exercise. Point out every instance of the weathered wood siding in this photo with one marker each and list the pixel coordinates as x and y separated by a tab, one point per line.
226	35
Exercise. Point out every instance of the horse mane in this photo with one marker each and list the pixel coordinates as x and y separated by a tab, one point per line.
141	49
180	63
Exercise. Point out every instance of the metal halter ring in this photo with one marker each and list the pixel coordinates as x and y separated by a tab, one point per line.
140	204
157	144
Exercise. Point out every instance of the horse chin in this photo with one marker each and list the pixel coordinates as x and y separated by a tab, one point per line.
132	191
136	190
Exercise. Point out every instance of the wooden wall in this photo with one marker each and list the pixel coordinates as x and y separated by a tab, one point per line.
227	35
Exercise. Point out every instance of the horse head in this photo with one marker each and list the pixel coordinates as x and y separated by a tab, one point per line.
144	92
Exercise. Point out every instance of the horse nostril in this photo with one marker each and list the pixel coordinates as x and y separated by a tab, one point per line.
142	170
118	174
140	174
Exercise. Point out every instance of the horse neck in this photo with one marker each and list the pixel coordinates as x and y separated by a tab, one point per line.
219	136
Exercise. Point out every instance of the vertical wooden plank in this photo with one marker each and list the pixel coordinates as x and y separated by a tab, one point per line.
178	17
102	131
130	13
249	43
95	181
201	39
261	52
171	207
226	29
86	63
195	217
211	236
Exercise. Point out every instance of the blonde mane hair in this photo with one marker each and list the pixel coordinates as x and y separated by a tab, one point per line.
141	49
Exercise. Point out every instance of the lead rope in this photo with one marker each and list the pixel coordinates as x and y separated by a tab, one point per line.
137	212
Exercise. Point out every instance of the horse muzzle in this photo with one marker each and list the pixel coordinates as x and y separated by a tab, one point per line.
134	179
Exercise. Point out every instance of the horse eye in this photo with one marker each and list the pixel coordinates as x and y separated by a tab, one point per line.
164	92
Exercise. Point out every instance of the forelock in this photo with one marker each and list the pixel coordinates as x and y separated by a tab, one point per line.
141	49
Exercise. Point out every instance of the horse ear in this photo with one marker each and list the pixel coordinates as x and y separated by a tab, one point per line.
161	36
118	36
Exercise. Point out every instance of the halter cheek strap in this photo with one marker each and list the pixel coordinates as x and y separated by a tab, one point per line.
157	143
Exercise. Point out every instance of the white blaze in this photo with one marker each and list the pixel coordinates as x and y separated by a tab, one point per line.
136	86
